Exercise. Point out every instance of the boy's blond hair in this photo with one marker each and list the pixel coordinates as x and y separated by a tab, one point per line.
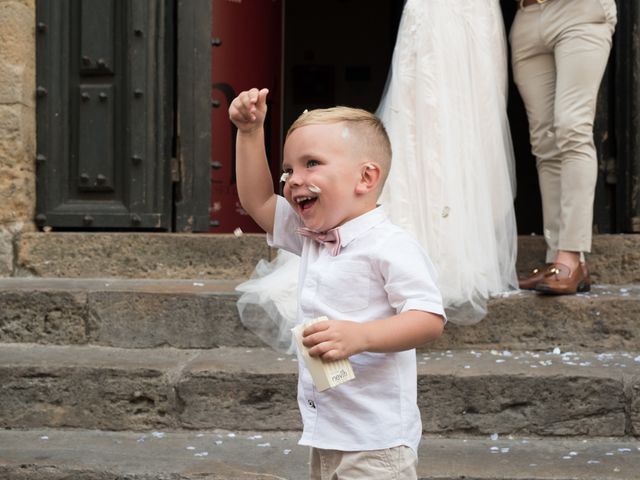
370	136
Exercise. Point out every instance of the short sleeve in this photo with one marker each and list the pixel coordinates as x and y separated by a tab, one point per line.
285	223
409	277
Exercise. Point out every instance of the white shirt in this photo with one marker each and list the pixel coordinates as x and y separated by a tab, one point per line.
380	271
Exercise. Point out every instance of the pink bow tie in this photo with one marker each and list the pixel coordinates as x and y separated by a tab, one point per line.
330	238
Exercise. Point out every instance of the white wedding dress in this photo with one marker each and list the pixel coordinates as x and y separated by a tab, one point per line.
452	181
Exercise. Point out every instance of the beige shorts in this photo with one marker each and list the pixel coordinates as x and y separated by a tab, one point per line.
397	463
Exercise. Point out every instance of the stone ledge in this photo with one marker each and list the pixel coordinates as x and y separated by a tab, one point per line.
251	455
236	388
203	314
615	258
140	255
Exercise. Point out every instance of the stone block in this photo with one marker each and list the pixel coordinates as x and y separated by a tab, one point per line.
229	401
144	320
6	252
140	255
84	387
86	398
17	32
633	394
606	319
56	318
526	405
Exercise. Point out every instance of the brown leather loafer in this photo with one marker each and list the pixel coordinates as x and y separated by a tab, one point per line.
534	278
560	280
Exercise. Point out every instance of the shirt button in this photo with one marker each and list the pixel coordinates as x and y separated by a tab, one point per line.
311	404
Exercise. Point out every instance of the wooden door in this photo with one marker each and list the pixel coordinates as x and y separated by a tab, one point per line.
246	53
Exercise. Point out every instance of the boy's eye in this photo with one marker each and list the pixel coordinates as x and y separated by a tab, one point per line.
312	163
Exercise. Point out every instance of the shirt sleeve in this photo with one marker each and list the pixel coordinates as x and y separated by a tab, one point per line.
410	277
285	223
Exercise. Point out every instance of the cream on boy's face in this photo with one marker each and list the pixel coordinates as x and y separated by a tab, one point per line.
322	175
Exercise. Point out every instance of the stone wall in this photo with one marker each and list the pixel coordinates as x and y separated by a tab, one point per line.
17	124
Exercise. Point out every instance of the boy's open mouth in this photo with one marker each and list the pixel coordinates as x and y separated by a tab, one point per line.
305	202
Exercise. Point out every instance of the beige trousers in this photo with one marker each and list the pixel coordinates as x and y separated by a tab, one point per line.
398	463
559	53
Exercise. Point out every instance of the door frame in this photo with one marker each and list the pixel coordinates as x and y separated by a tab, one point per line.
191	167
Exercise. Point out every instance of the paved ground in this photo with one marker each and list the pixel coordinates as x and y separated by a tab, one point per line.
249	455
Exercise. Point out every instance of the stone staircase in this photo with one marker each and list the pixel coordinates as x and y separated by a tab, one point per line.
122	357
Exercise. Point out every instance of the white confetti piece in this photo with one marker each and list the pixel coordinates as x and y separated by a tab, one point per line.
286	451
264	444
219	442
593	462
198	284
238	232
157	434
44	437
494	436
201	454
556	351
191	448
231	435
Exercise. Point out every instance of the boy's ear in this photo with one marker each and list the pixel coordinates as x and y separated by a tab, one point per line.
369	178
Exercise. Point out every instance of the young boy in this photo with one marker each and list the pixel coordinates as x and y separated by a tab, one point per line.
370	278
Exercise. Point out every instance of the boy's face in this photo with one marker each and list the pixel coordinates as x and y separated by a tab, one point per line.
323	175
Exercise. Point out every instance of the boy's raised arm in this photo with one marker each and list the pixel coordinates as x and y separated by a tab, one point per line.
255	185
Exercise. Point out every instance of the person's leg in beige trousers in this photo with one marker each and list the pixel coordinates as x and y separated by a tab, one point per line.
397	463
560	50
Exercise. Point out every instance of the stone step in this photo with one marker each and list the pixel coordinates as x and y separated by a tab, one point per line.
139	255
150	313
460	392
246	455
615	258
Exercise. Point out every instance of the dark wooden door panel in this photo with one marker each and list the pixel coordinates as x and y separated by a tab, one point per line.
104	114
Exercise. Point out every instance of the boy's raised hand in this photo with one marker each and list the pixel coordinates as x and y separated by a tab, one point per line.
248	109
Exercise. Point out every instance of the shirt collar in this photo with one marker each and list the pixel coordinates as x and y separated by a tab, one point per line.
360	225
